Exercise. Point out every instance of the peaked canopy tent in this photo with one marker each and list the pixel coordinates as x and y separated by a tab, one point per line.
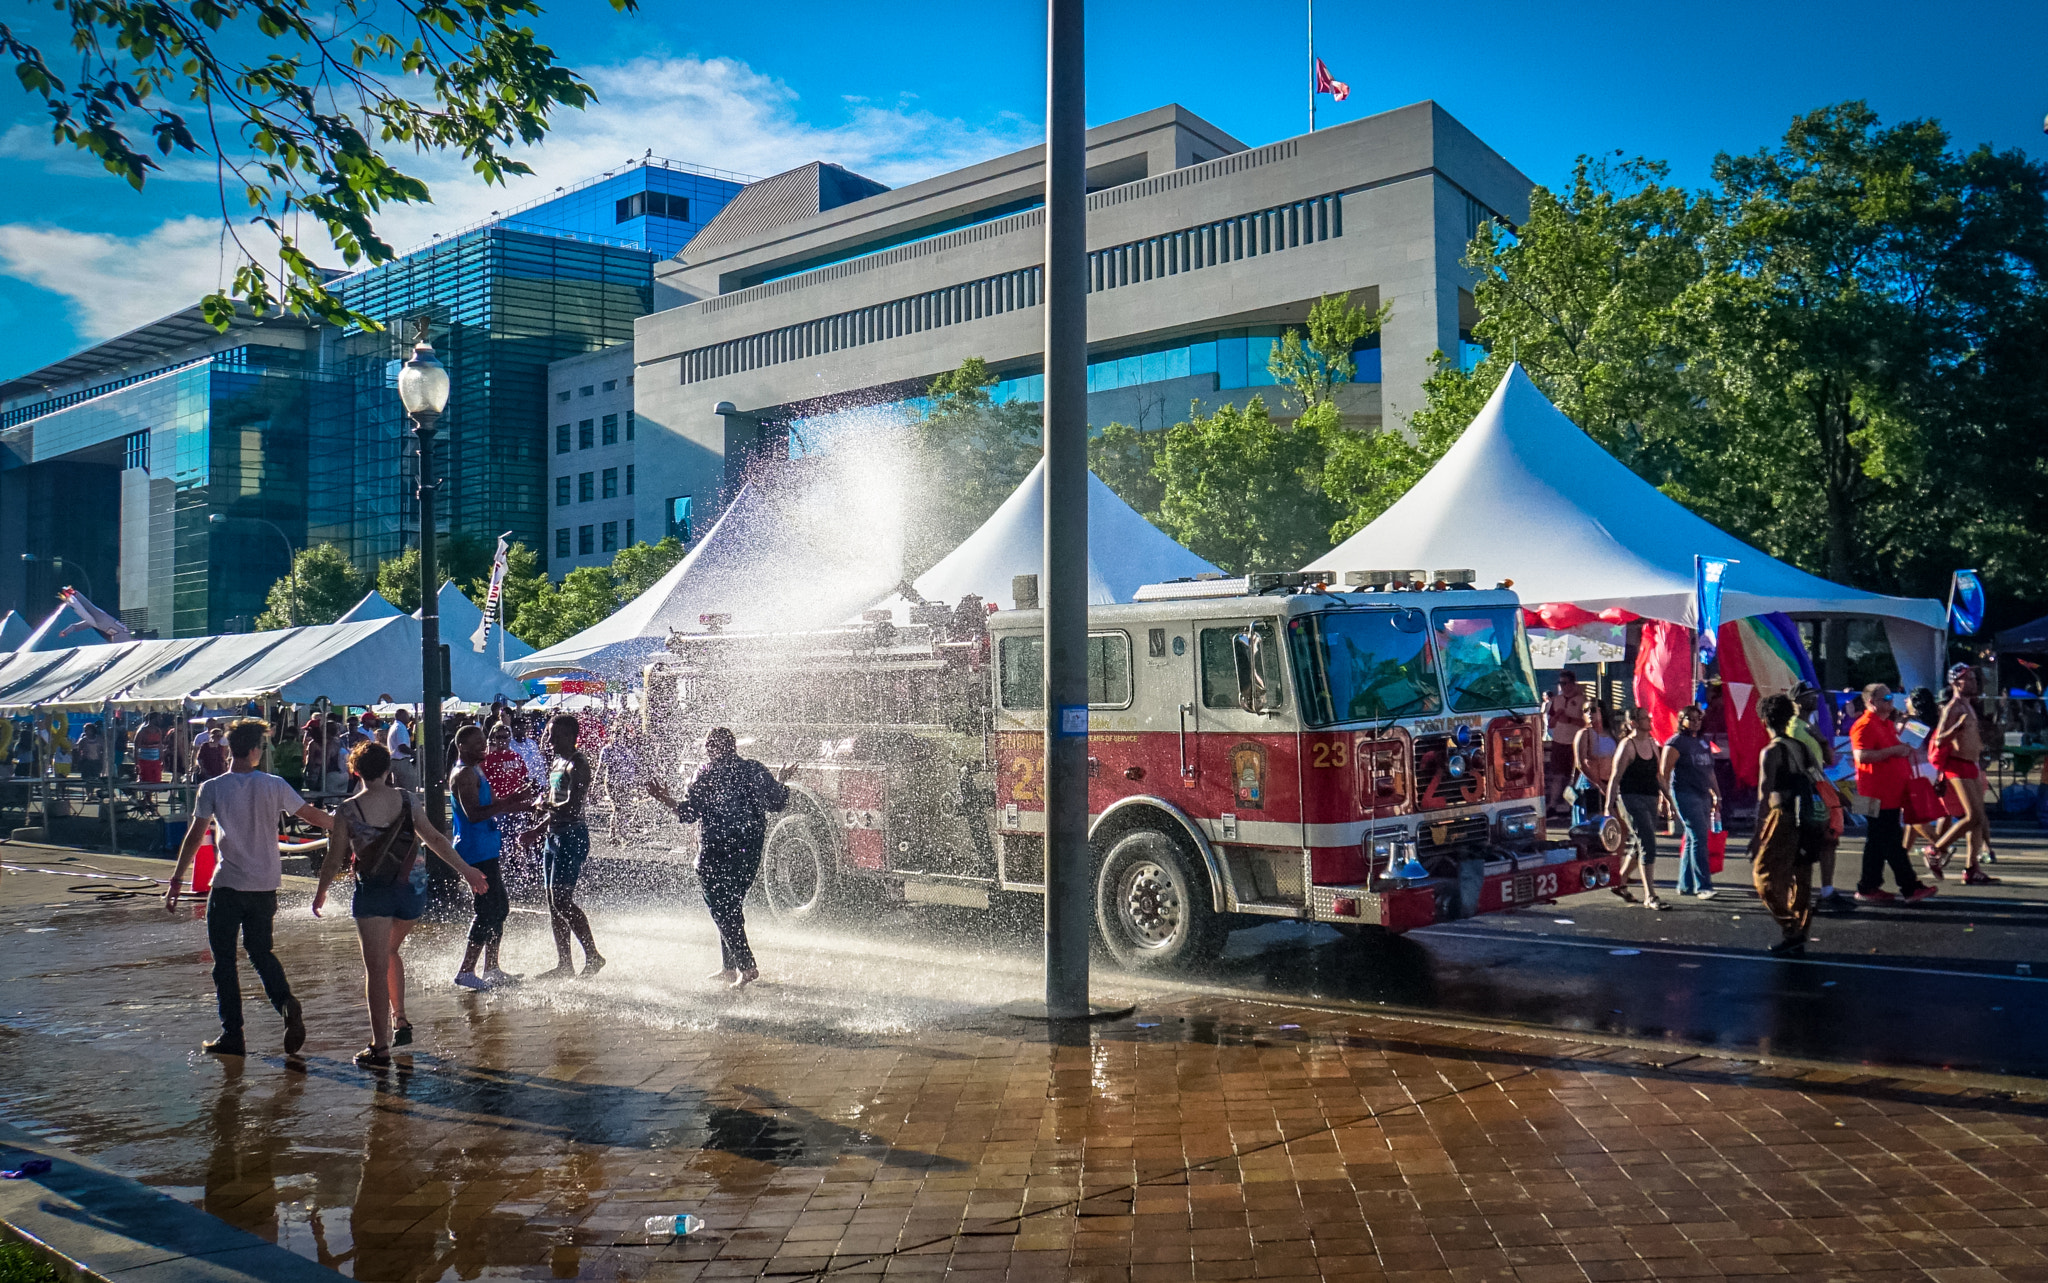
1526	495
460	618
2031	637
1125	552
773	561
347	663
374	605
14	630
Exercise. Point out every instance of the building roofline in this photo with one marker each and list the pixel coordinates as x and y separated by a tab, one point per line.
159	341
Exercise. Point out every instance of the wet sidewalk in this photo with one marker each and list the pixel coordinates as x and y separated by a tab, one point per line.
869	1112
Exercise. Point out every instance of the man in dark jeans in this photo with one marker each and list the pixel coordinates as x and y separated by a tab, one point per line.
245	805
732	796
1883	768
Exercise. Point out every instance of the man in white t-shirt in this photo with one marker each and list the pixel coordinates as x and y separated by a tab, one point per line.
245	805
400	739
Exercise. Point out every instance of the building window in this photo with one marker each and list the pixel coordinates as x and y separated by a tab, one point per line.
611	536
679	517
629	532
562	492
586	434
562	437
611	385
586	540
587	390
586	486
611	483
135	450
658	204
611	429
629	421
561	541
629	483
563	395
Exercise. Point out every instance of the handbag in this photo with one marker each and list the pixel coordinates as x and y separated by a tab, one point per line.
388	860
1922	806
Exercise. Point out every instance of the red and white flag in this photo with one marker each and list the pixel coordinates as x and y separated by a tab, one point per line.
494	601
1327	84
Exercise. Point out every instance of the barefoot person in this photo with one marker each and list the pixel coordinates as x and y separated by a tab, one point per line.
731	796
566	847
379	831
245	804
479	842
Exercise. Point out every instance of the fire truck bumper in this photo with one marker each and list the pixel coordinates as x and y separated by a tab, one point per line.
1481	886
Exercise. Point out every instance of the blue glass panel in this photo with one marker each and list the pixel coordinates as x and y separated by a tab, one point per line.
1202	357
1152	367
1230	362
1368	366
1257	351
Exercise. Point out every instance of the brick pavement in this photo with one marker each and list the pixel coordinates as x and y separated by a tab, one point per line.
528	1135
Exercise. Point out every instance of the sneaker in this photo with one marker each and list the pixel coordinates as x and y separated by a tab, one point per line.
226	1045
497	977
1707	894
1925	891
1875	897
471	980
294	1027
1836	903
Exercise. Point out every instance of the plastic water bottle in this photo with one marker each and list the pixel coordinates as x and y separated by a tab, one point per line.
681	1225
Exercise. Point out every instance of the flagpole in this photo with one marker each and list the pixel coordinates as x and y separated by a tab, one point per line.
1948	618
1311	66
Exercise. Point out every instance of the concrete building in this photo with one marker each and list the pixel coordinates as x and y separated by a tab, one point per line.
592	499
815	293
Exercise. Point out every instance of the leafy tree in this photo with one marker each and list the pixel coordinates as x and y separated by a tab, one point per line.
971	454
1244	491
1125	459
327	585
1364	473
587	597
1313	367
298	104
636	569
462	558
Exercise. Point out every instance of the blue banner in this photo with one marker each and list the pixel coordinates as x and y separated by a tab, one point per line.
1966	603
1707	574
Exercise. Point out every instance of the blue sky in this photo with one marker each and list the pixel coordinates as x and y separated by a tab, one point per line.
901	90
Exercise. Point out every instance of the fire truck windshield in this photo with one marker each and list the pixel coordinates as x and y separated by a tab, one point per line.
1363	665
1485	658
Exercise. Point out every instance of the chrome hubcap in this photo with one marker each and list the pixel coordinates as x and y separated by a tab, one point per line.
1151	905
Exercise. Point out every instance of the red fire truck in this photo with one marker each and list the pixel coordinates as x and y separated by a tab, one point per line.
1261	747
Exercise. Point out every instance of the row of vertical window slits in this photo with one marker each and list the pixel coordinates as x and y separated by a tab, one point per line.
1267	231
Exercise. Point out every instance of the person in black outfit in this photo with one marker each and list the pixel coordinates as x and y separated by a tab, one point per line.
731	797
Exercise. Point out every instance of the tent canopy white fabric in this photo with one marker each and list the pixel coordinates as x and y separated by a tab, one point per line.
1125	552
348	663
14	630
459	619
1526	495
374	605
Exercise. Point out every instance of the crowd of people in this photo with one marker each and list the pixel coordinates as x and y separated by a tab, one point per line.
1917	771
501	795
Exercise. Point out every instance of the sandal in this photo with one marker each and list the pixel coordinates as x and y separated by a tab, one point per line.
401	1035
1935	862
1975	876
1626	895
373	1057
1656	903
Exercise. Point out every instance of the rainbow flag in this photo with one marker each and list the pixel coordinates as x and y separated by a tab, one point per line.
1760	656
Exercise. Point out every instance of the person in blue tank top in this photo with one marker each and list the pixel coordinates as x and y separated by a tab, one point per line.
479	842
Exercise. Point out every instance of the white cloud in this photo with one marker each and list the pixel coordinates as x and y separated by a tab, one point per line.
715	112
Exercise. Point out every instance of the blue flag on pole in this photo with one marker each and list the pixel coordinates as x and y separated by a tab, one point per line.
1708	572
1966	603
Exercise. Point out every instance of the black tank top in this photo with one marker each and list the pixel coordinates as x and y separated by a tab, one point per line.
1640	775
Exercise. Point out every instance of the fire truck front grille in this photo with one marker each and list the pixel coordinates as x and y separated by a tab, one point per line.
1436	787
1462	831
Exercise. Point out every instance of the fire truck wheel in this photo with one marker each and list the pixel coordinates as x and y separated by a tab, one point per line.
1152	905
796	870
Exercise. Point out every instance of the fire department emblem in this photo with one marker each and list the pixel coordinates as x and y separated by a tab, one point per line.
1248	776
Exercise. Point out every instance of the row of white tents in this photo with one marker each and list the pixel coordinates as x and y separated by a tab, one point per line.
1524	495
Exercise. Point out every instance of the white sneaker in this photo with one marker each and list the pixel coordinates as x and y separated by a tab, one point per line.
471	980
1707	894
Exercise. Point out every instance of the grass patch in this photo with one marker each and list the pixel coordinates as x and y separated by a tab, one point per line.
21	1264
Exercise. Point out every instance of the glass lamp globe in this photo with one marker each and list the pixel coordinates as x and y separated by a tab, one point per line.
423	382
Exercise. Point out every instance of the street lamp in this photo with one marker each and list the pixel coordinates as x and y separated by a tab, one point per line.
423	388
291	554
58	564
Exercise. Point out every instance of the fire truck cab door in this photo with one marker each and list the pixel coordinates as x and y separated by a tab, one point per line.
1247	764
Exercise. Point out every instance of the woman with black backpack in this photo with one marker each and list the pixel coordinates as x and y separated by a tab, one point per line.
380	830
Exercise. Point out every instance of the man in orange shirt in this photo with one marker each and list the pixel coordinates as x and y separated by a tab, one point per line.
1883	768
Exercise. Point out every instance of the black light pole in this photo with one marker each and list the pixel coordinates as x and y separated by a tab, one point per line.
1065	597
423	388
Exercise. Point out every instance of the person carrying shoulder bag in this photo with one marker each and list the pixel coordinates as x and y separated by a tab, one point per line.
1792	827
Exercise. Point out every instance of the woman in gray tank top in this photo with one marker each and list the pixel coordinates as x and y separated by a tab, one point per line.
1688	777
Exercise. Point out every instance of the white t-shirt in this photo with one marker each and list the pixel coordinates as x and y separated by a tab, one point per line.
247	804
399	737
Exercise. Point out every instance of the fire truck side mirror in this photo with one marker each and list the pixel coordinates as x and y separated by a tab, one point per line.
1248	648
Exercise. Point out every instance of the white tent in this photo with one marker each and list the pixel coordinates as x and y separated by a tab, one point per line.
372	606
347	663
459	619
1125	551
1526	495
14	630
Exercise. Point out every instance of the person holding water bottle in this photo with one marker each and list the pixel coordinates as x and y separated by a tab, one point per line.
380	830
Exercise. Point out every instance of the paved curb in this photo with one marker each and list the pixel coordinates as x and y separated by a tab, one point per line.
110	1229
